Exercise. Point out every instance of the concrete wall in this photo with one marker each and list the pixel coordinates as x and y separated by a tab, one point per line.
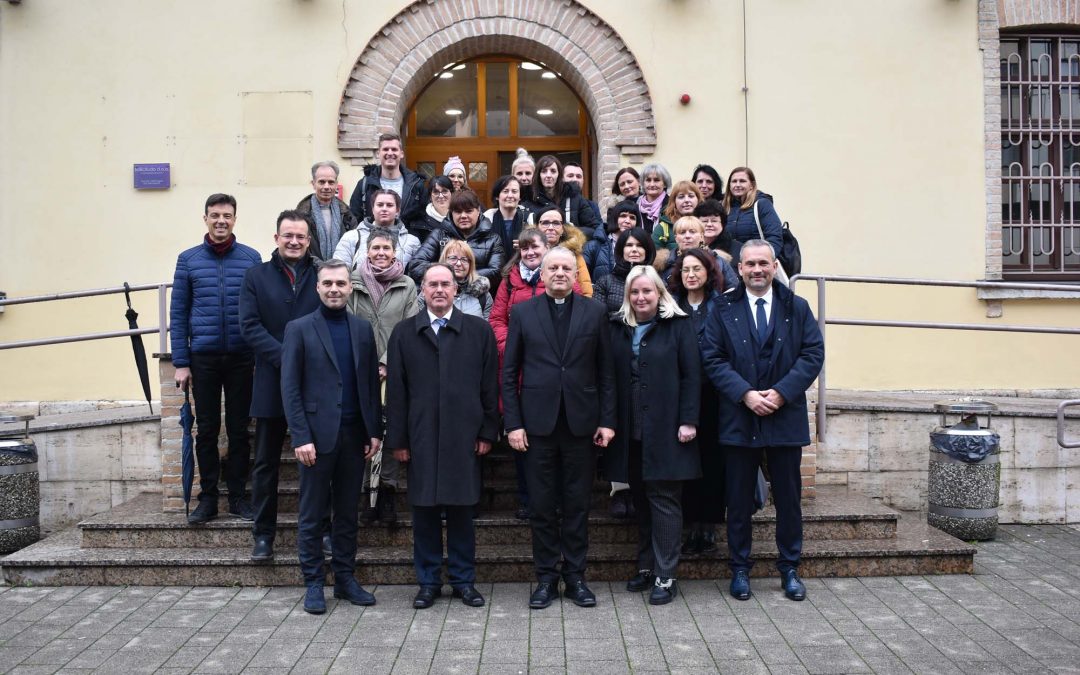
884	454
865	121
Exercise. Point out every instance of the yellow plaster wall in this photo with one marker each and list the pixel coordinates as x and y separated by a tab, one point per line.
865	122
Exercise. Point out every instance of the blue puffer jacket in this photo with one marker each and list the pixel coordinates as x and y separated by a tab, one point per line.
205	313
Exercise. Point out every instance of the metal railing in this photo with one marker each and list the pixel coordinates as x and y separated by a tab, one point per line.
1062	441
162	329
823	319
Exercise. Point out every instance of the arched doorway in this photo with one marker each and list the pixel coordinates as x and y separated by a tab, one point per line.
403	57
484	109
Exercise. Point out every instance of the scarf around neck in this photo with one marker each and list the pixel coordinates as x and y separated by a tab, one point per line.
651	209
379	279
329	233
531	277
220	249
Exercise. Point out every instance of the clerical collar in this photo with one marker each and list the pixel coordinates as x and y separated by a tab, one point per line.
558	301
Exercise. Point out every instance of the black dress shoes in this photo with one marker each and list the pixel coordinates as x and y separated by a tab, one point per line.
351	590
425	597
740	585
263	550
470	597
792	585
543	595
204	512
579	594
642	581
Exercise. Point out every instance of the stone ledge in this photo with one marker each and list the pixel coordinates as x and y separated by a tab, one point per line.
1017	294
81	420
1010	403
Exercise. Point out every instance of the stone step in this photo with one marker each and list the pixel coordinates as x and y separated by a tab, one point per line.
60	560
140	523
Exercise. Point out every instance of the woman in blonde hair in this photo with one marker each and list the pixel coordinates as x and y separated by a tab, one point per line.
658	380
689	235
473	291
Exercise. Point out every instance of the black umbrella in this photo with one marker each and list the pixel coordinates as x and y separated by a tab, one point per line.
187	455
138	347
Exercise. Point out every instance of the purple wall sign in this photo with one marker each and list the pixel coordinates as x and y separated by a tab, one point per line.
152	177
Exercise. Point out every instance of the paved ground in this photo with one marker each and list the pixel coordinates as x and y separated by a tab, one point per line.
1019	613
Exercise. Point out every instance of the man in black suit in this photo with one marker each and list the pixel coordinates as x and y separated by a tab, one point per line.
762	350
558	349
330	390
274	293
442	405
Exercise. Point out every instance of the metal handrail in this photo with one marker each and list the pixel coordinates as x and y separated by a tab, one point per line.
823	319
162	329
1061	423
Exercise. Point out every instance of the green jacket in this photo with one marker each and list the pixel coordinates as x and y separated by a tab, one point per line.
398	303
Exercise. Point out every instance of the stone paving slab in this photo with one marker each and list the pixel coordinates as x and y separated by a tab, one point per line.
1019	613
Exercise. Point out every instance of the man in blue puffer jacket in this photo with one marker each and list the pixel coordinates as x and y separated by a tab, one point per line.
210	354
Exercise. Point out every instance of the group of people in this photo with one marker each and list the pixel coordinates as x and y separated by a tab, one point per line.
412	325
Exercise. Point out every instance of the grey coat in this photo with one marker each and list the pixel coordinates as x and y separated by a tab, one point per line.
398	303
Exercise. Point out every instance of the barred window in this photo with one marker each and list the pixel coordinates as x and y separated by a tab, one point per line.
1040	156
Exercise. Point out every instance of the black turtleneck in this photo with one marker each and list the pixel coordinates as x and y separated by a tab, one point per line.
337	321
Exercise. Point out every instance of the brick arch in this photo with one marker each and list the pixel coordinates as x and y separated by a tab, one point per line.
406	53
1018	13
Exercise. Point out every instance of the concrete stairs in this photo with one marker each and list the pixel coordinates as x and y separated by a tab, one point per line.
136	543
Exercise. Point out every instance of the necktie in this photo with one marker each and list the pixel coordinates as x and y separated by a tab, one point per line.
762	321
438	324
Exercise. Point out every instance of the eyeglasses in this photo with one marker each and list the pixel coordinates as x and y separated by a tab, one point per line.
550	224
440	194
455	260
294	237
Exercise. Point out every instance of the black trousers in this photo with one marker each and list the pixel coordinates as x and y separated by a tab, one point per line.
212	374
658	507
269	439
559	472
335	481
460	545
786	485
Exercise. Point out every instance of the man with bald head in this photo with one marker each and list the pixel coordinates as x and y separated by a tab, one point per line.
559	401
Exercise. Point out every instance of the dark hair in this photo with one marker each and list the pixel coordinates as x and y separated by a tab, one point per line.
614	212
547	209
714	280
383	138
640	236
528	235
432	266
464	200
626	169
381	233
711	207
291	214
538	186
441	181
705	168
500	184
384	191
219	198
329	264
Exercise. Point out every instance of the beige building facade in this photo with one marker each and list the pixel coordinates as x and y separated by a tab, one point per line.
877	125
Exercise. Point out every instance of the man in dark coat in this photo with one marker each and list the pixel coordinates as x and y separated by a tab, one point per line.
330	391
558	349
391	174
330	217
442	416
274	293
762	350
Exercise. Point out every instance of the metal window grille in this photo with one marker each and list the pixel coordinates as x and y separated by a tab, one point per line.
1040	156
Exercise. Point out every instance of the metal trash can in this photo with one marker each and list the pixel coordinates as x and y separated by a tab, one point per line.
965	471
20	494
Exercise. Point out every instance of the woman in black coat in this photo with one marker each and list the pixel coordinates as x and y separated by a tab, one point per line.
696	284
600	251
548	189
633	247
469	225
658	380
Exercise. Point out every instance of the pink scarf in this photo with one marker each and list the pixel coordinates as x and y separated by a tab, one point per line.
651	210
379	279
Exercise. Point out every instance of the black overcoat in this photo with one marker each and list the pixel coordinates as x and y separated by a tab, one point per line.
669	365
441	396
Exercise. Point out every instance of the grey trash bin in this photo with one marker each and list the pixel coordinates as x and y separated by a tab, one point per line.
20	494
965	471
